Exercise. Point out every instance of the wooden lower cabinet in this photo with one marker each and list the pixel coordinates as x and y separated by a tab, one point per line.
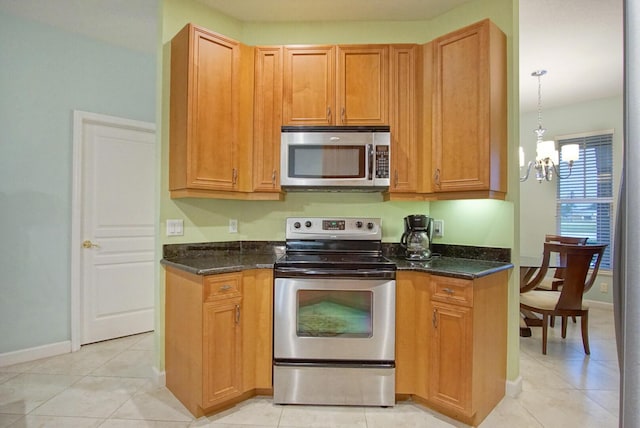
450	368
217	342
451	342
222	349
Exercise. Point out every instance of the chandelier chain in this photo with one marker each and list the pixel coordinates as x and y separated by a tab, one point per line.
540	131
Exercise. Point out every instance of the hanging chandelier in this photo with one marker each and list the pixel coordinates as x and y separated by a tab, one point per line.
547	159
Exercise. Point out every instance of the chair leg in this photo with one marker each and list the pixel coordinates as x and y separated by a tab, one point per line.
545	323
552	321
564	326
574	319
585	332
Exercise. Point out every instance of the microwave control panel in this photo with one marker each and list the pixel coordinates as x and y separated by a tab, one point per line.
382	161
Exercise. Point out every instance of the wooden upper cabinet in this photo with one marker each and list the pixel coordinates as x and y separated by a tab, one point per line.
211	115
267	119
469	145
362	85
336	85
309	85
403	117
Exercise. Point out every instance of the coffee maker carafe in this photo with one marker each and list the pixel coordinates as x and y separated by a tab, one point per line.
416	238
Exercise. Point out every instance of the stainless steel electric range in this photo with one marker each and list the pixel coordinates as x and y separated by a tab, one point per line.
334	314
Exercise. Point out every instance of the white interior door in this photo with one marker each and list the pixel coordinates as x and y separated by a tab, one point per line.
117	228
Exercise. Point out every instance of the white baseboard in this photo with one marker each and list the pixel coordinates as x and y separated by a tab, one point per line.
514	387
160	378
31	354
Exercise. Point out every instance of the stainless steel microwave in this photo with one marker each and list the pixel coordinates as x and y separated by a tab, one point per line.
331	158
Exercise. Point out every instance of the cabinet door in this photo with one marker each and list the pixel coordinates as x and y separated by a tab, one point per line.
257	329
403	118
451	357
221	351
267	119
406	331
469	134
309	85
362	79
214	98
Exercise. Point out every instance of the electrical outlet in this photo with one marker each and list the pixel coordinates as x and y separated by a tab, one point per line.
233	225
604	287
175	227
438	228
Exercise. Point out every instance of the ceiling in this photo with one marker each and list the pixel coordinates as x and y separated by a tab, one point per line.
579	42
333	10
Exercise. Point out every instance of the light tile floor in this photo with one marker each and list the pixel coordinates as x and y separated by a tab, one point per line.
109	385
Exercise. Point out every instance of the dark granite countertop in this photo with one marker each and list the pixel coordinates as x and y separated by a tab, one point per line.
221	263
214	258
453	266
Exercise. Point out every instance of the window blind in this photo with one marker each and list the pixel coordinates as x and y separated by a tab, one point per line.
585	198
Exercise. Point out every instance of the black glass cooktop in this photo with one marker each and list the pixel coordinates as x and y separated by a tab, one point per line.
339	260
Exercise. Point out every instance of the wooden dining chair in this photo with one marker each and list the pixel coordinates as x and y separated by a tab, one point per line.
555	283
568	301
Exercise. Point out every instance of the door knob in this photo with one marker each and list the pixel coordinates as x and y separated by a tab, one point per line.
89	244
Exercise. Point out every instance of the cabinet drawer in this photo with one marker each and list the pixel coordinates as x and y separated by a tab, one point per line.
221	286
452	290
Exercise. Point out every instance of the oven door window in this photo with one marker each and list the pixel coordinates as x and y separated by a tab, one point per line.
335	313
324	161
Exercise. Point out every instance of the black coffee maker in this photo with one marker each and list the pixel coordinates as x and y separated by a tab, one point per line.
416	238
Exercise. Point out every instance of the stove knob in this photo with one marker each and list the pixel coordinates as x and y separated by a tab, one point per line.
296	225
370	226
358	224
307	223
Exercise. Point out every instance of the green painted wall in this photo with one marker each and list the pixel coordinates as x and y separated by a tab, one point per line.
484	223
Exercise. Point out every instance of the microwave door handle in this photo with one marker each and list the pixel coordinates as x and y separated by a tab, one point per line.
370	153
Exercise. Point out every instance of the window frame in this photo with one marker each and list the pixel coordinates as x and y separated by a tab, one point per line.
590	143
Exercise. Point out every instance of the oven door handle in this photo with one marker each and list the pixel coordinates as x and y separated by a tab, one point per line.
371	160
285	272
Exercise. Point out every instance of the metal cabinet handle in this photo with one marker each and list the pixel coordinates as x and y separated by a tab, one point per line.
237	314
329	114
448	290
225	287
273	178
436	177
89	244
395	178
234	176
343	115
434	320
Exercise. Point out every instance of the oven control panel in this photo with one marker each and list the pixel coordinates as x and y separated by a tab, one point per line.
333	227
333	224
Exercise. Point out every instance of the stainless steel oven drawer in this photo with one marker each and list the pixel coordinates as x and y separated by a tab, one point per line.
334	385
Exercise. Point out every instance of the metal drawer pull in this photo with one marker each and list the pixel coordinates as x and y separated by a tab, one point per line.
237	314
448	290
225	287
435	318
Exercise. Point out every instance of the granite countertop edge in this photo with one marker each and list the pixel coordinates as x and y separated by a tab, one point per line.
443	266
453	267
